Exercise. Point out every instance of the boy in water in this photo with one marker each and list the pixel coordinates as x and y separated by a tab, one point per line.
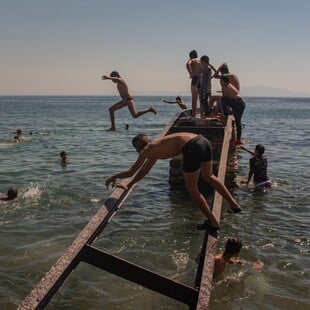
64	157
194	68
178	101
258	167
12	194
232	249
197	158
127	99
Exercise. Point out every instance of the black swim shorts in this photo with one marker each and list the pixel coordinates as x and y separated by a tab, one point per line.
195	81
195	152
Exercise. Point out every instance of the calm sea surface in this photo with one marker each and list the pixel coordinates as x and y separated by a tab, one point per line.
156	226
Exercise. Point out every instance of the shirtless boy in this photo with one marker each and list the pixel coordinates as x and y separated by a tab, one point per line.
231	98
127	99
232	249
205	86
178	101
12	194
194	68
233	79
197	157
63	157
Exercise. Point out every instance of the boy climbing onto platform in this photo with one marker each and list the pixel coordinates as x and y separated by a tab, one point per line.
197	158
127	99
232	249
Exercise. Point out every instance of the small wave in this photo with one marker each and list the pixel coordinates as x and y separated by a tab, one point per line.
6	145
33	192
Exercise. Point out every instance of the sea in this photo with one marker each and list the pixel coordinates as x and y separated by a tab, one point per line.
156	227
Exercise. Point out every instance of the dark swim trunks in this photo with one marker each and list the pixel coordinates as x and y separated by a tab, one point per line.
195	81
195	152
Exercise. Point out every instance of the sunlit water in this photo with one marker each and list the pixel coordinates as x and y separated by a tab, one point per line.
156	227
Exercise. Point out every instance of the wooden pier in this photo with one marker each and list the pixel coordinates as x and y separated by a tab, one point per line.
82	249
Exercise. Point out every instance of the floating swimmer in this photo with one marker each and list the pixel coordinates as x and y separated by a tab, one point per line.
178	101
64	157
11	195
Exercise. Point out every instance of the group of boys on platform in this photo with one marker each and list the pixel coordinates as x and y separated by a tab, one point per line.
196	149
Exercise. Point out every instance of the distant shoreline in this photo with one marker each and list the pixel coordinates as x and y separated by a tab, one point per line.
148	95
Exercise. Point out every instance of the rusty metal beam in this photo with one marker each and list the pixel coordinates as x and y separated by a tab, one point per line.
60	271
211	242
80	249
140	275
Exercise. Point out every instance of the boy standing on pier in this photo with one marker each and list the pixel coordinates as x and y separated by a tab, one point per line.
127	100
232	99
205	86
194	68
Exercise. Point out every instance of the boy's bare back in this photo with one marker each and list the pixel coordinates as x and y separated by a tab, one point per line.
168	146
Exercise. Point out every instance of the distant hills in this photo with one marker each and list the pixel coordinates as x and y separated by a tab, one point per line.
266	91
254	91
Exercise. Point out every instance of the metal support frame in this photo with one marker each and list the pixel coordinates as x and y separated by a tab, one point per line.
82	251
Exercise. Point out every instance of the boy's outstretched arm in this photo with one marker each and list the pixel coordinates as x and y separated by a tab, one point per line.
140	175
242	147
127	173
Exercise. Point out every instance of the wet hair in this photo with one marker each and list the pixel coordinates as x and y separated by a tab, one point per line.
12	193
63	153
114	74
224	68
260	149
225	79
233	246
204	58
178	98
140	141
193	54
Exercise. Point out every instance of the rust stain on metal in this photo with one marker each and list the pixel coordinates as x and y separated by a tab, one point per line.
208	266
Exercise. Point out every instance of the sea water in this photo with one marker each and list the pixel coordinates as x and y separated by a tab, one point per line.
156	228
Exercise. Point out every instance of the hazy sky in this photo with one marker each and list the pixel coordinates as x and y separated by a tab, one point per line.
64	46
